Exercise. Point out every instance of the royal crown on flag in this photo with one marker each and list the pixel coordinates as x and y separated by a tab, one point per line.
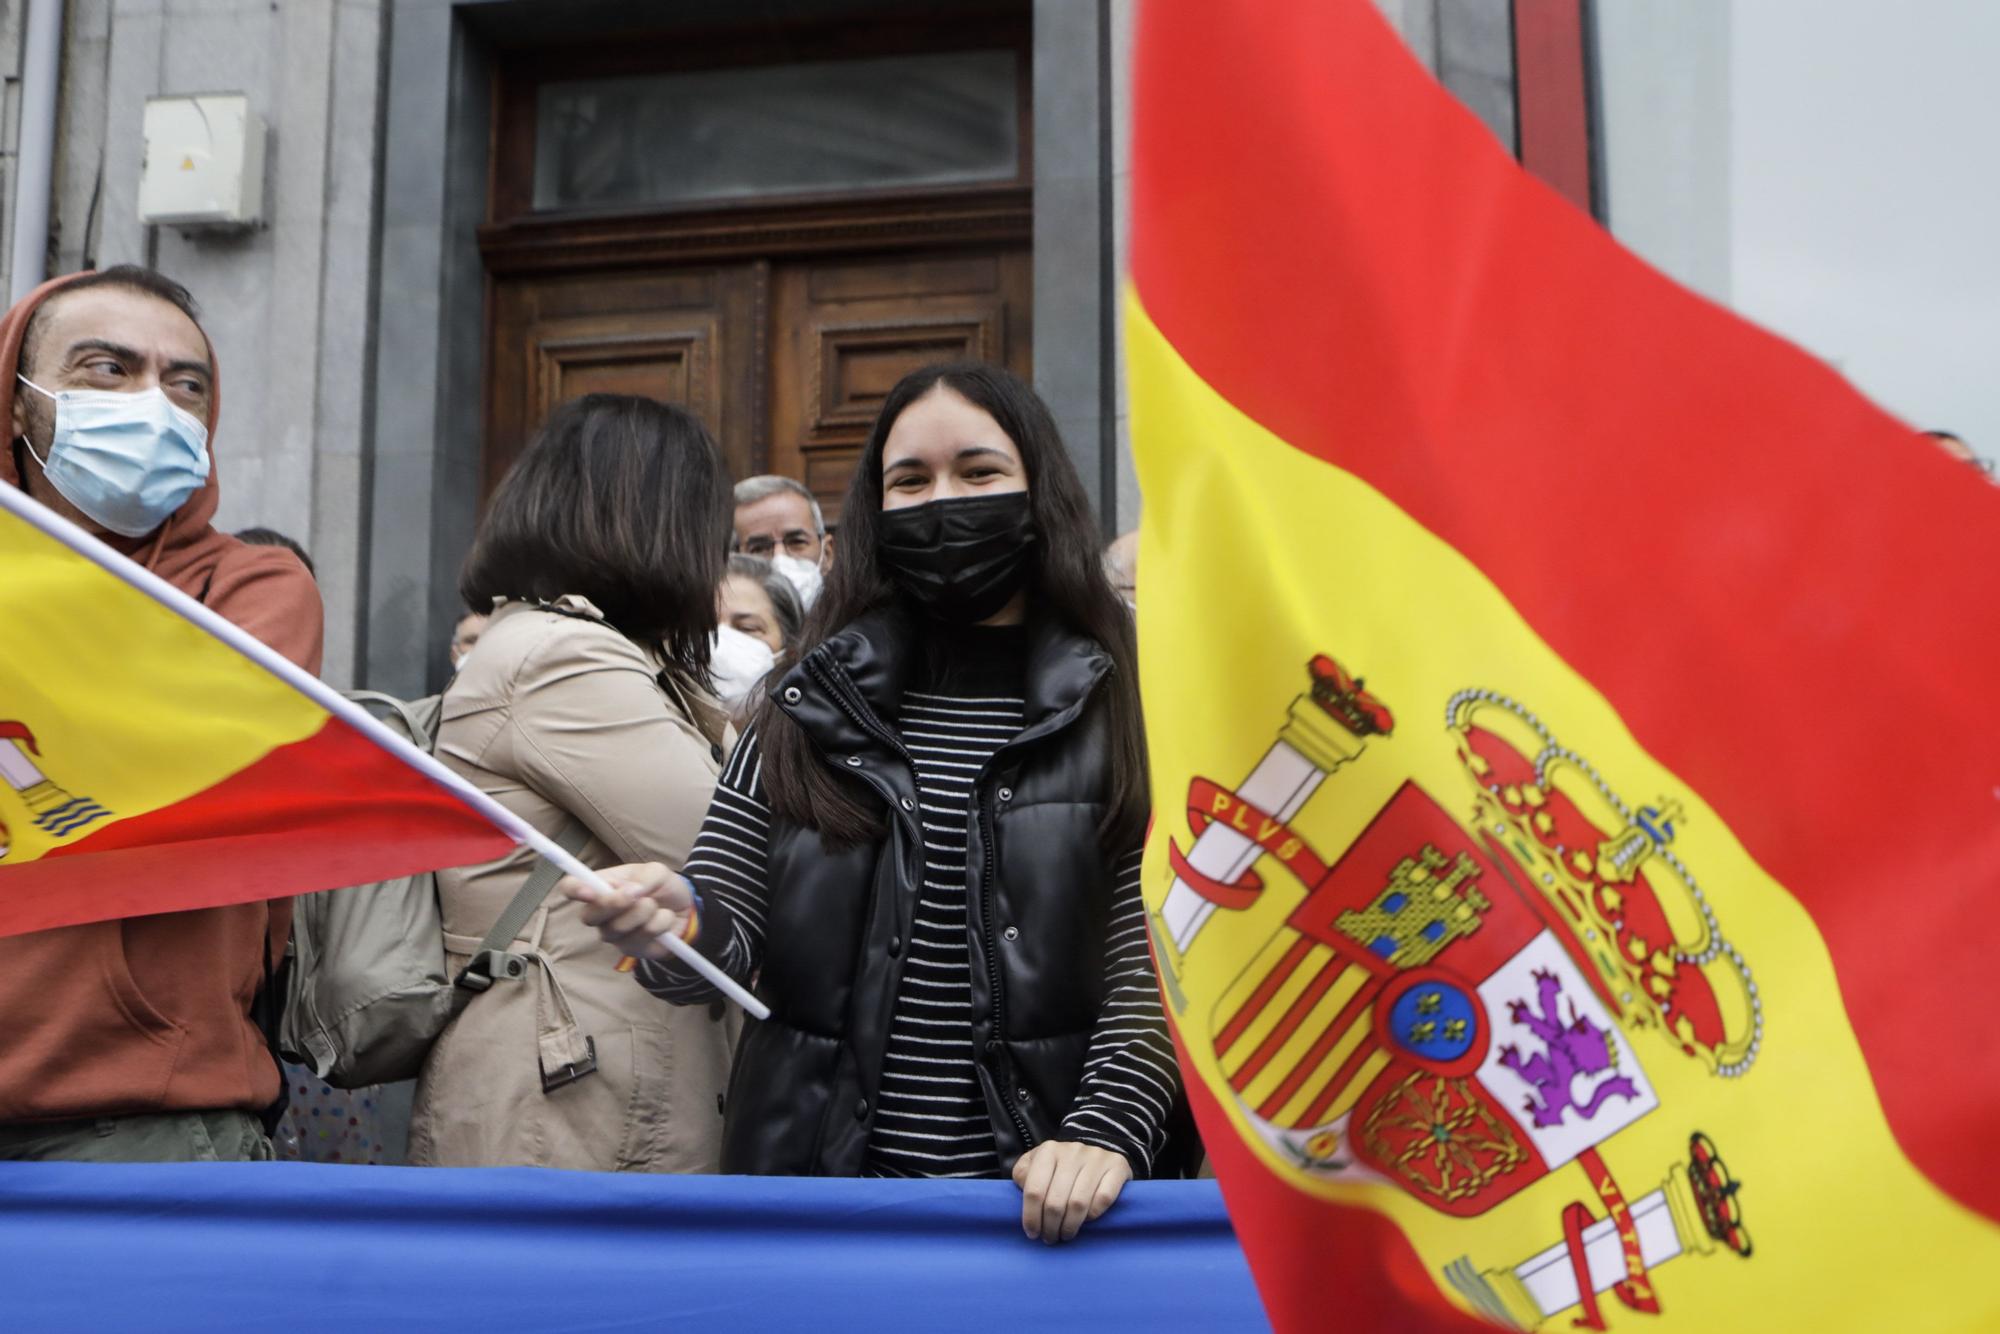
1460	1003
1346	701
1632	908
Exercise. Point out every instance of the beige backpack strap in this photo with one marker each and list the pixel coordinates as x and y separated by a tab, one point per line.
492	961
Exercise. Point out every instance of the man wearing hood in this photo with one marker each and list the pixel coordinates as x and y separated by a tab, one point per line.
133	1040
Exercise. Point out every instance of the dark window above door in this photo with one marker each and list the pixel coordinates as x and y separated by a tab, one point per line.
756	132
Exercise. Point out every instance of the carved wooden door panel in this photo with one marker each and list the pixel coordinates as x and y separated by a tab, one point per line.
844	330
787	363
685	336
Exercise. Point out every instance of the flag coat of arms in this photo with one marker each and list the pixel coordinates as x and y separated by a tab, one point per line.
1575	791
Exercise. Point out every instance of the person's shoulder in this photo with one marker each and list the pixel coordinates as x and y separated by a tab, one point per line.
268	592
263	585
565	634
275	572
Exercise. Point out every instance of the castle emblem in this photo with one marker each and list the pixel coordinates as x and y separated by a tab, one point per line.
1429	902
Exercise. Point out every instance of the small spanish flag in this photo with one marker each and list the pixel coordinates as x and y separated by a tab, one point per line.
155	758
1576	776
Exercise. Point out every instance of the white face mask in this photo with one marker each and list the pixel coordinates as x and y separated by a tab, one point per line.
803	575
127	460
738	663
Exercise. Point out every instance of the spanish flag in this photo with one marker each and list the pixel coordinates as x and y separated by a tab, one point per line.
1576	774
155	758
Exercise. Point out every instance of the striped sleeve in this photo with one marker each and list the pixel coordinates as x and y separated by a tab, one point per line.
727	871
1130	1078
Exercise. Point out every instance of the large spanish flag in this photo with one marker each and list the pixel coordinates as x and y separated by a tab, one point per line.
154	758
1577	782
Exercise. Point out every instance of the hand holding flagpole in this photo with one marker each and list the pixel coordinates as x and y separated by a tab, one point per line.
682	950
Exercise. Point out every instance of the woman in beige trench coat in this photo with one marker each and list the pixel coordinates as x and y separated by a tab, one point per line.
585	699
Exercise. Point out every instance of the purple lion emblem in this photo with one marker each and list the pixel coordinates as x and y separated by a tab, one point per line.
1577	1048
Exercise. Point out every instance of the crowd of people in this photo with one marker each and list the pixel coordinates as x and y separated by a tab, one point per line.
891	776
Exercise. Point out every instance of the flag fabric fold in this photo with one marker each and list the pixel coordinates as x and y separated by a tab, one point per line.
1574	798
154	758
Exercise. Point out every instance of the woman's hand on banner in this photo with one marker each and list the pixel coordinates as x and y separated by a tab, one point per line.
1065	1184
647	901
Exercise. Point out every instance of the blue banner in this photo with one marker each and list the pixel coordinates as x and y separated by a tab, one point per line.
301	1247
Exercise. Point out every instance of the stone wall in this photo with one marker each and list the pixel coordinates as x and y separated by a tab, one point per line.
289	304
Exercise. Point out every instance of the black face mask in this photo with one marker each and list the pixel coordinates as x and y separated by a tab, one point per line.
960	560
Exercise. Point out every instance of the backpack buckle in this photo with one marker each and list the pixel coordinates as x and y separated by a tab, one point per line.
490	966
575	1070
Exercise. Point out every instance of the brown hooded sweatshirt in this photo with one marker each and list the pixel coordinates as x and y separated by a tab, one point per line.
151	1014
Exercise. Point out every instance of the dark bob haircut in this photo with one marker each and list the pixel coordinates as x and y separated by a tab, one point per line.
622	500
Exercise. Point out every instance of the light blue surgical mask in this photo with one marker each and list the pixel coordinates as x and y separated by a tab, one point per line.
127	460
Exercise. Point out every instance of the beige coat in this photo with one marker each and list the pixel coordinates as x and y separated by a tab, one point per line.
555	715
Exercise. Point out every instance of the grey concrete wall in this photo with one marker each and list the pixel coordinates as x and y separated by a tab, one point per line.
1664	119
286	305
13	15
1073	204
423	497
1474	58
1124	28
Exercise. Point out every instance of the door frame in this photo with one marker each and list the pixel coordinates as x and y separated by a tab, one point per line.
427	433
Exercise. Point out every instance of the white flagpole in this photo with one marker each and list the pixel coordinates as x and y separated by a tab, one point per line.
54	526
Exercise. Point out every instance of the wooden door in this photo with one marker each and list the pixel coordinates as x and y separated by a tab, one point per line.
787	362
845	330
684	335
767	222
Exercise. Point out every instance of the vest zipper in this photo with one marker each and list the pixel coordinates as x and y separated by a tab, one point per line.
992	957
983	807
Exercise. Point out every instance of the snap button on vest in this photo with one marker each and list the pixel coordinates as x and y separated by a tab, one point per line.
1011	933
861	1110
792	695
895	946
854	761
909	805
1006	794
1022	1094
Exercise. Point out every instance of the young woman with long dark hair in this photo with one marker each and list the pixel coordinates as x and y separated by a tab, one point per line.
926	847
587	704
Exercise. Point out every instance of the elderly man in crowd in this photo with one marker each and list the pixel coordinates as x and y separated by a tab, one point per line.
779	520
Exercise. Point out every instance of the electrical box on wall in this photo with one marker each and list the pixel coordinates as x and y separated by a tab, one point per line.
204	162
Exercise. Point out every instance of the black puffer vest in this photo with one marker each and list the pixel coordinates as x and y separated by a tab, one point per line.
1039	883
